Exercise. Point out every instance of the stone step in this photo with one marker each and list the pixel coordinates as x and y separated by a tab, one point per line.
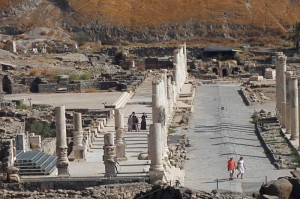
35	163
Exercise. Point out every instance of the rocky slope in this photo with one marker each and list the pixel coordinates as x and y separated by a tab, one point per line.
154	20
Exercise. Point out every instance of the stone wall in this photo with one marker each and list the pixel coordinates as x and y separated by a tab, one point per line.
157	63
47	88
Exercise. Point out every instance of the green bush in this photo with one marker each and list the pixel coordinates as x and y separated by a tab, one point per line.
81	38
255	118
22	106
40	106
85	76
41	128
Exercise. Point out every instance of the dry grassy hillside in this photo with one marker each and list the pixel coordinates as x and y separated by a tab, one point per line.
269	14
5	4
112	21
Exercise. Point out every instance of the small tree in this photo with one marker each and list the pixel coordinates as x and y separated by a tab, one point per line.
295	36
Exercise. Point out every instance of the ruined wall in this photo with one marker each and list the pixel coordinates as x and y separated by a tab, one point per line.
47	88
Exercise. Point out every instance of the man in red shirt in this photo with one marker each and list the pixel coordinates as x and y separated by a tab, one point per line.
231	167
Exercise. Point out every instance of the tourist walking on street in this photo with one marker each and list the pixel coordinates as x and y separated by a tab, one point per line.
231	167
143	122
130	122
241	167
135	123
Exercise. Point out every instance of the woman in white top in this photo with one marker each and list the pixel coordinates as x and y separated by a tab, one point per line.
241	167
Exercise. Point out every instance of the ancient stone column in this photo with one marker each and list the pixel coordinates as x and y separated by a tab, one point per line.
288	103
294	108
156	98
119	127
156	171
78	152
278	100
282	87
61	143
109	155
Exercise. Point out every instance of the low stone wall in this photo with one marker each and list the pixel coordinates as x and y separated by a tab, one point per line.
47	88
19	88
244	97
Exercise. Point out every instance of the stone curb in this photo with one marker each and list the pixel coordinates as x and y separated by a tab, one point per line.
244	97
264	145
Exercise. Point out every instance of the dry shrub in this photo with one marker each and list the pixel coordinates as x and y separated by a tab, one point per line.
43	33
141	67
45	72
50	33
21	36
34	72
54	75
91	90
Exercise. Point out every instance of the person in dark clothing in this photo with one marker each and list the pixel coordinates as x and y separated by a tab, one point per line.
143	123
135	123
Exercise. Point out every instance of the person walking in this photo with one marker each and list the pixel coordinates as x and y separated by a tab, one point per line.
241	167
231	167
130	122
135	123
143	122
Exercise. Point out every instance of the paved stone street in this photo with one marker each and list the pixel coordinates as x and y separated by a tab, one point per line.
221	127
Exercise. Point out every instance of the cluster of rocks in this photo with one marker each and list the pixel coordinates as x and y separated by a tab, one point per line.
283	188
112	191
8	173
123	191
278	147
255	95
177	154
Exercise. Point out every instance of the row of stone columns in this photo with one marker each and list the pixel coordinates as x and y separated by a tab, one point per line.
180	67
164	95
287	100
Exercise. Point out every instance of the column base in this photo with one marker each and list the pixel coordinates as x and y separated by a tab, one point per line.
120	152
110	169
78	154
294	138
156	177
63	173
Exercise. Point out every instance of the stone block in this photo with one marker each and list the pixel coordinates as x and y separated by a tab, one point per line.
3	176
120	152
14	178
156	177
35	141
256	78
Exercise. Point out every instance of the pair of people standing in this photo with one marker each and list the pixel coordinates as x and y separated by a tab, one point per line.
133	122
232	166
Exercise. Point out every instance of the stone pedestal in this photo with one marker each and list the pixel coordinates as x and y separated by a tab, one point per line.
119	128
61	143
109	155
294	108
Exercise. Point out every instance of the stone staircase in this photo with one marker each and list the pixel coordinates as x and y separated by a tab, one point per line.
35	163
